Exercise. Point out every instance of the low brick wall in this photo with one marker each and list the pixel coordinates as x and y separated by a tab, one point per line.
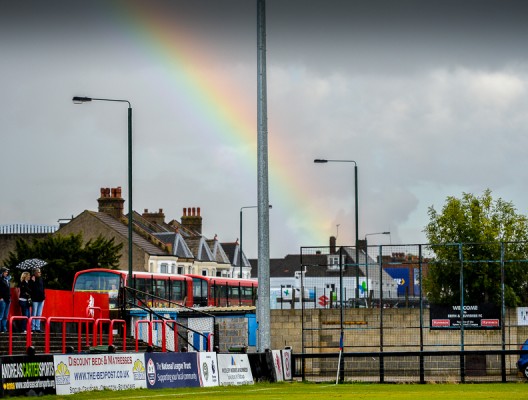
401	331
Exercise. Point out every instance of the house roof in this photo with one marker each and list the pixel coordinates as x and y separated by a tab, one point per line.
217	249
122	229
178	243
315	265
200	249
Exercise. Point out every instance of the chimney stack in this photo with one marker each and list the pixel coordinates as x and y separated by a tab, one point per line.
154	217
192	220
333	244
111	202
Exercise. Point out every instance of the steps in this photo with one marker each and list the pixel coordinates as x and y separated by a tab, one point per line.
56	339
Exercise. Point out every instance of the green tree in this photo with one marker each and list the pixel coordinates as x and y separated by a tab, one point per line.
66	255
472	232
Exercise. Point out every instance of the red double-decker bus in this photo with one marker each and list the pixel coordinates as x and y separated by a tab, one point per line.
167	290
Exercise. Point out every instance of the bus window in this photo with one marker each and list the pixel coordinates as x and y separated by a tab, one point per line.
199	292
177	291
98	281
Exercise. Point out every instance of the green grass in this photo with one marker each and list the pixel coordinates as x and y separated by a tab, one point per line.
309	391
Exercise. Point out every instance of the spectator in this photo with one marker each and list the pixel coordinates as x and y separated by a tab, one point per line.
5	298
38	297
24	298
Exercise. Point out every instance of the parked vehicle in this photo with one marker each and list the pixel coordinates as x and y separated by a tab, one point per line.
190	290
522	363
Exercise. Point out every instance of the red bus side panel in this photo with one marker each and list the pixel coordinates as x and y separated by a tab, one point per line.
83	301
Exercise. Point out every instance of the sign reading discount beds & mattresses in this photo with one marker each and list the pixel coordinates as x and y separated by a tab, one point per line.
66	374
84	372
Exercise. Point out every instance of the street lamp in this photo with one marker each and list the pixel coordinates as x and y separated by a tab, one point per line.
81	100
366	255
323	161
240	250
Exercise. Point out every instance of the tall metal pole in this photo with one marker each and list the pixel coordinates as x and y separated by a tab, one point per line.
81	100
240	249
130	208
357	229
263	306
321	161
240	253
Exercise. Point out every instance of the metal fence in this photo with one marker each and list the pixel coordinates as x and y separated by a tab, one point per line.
370	303
20	229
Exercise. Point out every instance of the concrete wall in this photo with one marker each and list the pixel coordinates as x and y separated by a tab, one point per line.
401	331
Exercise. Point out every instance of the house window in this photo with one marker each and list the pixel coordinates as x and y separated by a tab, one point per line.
204	272
173	268
180	270
190	270
164	268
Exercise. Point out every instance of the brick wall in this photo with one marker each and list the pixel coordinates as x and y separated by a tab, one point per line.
401	331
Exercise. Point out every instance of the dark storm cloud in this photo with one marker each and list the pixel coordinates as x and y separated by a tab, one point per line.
430	98
397	36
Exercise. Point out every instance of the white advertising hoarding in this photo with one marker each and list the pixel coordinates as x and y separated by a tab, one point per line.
84	372
234	369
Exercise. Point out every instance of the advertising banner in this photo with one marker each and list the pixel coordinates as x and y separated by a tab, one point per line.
84	372
234	369
277	365
172	370
27	376
208	367
475	316
286	364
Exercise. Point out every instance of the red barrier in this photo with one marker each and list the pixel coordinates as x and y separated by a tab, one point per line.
175	329
99	324
29	341
111	335
149	323
20	317
163	339
65	320
163	332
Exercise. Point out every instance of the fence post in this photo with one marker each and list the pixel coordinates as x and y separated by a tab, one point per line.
381	359
503	315
462	359
422	364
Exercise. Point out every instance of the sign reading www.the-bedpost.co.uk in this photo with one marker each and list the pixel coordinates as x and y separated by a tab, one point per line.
84	372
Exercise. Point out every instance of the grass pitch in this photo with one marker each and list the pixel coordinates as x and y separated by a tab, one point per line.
309	391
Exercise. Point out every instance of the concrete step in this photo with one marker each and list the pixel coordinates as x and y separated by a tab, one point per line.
19	342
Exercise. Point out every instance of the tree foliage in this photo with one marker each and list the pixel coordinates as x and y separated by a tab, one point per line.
471	233
65	255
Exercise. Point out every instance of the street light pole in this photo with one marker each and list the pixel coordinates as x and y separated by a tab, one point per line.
81	100
240	259
366	256
323	161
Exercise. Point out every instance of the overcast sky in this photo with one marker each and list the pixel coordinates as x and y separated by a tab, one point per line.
430	98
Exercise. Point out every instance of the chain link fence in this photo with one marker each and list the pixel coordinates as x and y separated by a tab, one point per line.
454	312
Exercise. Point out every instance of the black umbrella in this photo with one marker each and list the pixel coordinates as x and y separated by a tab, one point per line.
32	263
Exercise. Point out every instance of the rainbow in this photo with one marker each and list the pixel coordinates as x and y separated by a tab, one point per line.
230	118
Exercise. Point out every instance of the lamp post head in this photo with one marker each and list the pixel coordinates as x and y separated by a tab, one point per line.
320	161
80	100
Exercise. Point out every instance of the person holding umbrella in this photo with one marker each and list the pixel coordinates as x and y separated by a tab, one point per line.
24	298
36	285
5	298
